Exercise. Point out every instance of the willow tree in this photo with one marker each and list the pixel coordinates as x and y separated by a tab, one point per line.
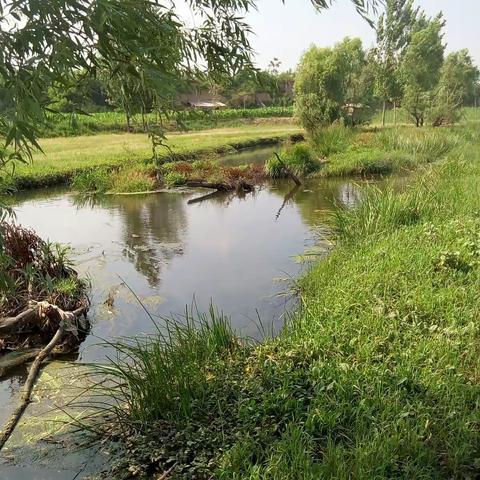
421	69
394	30
327	79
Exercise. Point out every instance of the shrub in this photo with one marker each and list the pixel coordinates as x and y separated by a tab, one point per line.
95	180
133	181
298	158
175	179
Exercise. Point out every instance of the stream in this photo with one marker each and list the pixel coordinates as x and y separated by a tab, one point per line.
240	253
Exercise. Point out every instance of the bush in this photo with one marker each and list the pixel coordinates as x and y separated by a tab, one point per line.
175	179
298	158
327	141
95	180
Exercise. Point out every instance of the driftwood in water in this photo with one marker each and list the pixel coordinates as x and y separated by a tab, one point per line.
15	359
288	170
32	329
12	324
221	187
68	322
239	187
207	196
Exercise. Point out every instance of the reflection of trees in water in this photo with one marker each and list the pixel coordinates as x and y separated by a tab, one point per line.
154	228
349	195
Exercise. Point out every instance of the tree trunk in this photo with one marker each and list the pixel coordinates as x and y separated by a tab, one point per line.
288	171
384	111
395	113
144	124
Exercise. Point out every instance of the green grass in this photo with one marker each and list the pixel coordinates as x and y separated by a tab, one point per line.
65	157
391	150
376	376
469	114
67	125
298	158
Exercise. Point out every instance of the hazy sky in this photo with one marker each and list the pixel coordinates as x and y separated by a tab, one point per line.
285	31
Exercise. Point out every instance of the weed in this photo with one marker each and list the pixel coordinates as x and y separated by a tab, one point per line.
298	158
175	179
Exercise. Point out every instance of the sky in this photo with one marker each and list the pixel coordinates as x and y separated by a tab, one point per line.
285	31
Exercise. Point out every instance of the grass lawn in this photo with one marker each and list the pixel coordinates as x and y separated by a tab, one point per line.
65	156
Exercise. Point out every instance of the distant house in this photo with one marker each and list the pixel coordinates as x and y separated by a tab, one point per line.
357	112
202	100
207	105
351	108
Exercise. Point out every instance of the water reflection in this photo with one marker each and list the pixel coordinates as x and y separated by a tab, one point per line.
152	231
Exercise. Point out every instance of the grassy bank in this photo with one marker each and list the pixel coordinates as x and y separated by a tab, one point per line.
65	157
386	151
377	375
338	151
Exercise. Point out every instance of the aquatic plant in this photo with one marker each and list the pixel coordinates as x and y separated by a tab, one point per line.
174	179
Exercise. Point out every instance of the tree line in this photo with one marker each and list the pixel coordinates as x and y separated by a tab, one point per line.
406	68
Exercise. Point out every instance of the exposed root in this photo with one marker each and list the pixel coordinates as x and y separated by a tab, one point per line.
67	323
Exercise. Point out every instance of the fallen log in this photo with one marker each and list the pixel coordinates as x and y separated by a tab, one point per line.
239	187
221	187
11	324
207	196
15	359
67	323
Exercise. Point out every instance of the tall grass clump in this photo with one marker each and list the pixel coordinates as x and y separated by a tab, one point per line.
93	180
132	180
167	375
121	180
335	139
381	211
426	144
366	161
299	158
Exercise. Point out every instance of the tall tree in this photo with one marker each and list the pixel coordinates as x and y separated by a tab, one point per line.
457	83
327	79
421	68
394	30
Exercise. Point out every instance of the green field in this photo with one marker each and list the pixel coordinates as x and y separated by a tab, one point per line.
469	114
68	125
63	157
